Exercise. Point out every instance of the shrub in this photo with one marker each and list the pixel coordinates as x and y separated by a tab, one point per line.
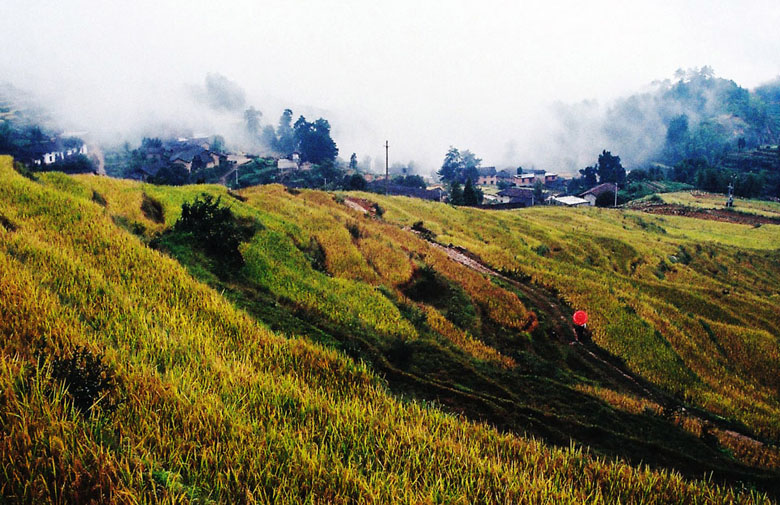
24	171
88	380
542	249
423	231
354	230
214	227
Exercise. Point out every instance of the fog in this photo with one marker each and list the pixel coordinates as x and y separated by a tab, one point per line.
529	83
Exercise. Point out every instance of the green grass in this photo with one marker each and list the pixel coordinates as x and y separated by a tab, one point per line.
604	260
704	200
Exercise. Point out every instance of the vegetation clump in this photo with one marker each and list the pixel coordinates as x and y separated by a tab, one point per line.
87	379
214	227
99	199
420	228
152	209
431	287
7	223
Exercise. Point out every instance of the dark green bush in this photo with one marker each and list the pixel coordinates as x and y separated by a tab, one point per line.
87	379
214	227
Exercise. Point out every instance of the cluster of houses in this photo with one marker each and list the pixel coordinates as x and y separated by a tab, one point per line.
519	189
192	154
489	176
55	149
526	197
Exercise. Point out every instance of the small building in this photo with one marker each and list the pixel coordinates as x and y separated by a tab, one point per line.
286	165
504	175
569	201
525	180
238	159
523	196
379	186
595	192
487	176
197	158
147	170
52	151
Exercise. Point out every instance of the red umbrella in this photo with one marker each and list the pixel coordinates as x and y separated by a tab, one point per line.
580	318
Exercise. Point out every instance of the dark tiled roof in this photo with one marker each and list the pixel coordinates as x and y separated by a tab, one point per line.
187	155
517	193
597	191
504	174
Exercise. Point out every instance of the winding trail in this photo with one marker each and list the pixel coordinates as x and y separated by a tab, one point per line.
563	329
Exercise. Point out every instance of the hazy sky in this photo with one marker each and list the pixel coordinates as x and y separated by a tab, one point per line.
425	75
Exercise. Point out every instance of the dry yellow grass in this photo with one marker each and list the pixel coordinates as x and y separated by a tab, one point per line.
216	408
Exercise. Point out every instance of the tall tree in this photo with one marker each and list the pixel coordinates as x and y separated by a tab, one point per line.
456	194
252	121
610	169
538	191
589	177
268	137
285	143
470	166
470	195
451	167
313	141
353	162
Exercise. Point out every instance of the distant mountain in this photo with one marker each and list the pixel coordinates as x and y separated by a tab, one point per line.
695	115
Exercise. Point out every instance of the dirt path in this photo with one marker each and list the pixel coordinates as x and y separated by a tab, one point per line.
562	327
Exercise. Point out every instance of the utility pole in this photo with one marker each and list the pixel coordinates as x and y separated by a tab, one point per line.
616	190
730	201
387	165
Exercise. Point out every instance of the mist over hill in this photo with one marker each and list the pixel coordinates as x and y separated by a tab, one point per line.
694	115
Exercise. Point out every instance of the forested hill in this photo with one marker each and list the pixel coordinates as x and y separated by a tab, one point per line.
692	116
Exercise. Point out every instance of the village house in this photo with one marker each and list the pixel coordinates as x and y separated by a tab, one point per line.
379	186
568	201
50	152
595	192
505	176
487	176
197	158
522	196
290	164
528	180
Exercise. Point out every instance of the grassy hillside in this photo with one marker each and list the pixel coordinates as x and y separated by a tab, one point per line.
690	305
207	404
715	201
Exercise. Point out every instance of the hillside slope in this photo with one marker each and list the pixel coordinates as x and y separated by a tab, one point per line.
690	305
209	405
